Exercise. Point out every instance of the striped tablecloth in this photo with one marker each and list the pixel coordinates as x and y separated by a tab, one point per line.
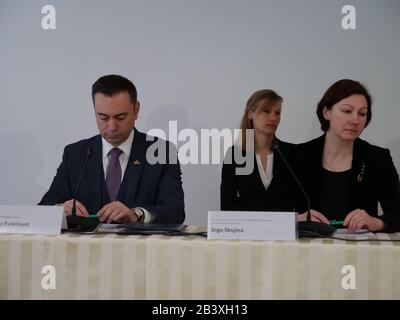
161	267
86	266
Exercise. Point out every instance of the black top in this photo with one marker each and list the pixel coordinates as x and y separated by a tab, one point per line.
247	192
334	195
373	179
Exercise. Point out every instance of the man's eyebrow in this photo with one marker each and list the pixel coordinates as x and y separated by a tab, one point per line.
116	116
121	114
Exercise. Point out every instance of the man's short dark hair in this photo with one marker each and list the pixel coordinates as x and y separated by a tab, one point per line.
112	84
338	91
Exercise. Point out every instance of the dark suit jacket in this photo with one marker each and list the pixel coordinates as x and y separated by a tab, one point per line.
155	187
373	179
247	192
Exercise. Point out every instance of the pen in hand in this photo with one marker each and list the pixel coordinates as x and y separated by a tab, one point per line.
336	222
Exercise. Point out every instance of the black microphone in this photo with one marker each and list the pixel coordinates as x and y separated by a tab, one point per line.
88	154
76	223
307	228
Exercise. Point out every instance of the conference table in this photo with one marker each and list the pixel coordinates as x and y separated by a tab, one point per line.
109	266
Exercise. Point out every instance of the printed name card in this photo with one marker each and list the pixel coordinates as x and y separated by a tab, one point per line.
31	219
251	225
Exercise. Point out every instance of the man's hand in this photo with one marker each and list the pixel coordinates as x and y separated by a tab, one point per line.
80	208
358	219
116	211
315	216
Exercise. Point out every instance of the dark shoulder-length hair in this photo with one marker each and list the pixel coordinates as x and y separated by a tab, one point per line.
338	91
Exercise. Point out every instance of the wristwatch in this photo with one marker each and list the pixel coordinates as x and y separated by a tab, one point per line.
139	214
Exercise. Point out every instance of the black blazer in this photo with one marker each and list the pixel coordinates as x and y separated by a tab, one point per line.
373	179
155	187
247	192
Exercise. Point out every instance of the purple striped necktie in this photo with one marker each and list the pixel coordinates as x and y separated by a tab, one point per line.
114	173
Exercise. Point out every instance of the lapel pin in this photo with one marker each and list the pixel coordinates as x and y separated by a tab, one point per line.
361	174
136	162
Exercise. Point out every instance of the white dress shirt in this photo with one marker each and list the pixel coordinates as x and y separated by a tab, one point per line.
267	174
125	147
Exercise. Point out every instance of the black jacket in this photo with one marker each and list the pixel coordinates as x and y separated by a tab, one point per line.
155	187
373	179
247	192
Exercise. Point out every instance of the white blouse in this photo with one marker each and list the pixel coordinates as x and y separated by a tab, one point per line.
267	174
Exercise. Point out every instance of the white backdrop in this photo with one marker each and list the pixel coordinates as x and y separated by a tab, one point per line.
194	61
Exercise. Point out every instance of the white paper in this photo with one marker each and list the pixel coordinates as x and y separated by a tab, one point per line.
360	234
108	228
347	231
252	225
31	219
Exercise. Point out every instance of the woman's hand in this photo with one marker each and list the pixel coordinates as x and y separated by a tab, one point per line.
359	219
315	216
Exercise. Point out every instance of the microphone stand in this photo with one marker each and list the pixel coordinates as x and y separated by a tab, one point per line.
88	153
74	222
306	228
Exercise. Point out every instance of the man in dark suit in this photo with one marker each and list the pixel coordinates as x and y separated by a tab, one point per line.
121	182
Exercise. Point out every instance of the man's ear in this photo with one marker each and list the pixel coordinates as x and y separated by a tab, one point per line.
136	109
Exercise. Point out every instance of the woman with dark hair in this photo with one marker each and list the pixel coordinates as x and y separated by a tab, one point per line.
268	186
344	176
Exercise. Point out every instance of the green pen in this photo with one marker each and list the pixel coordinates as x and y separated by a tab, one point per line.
92	216
335	222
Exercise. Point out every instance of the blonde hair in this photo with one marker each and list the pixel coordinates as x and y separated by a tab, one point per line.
271	98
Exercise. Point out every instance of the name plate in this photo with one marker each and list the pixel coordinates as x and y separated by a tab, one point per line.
31	219
252	225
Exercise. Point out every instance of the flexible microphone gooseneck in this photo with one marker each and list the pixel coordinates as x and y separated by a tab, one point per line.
306	228
88	154
77	223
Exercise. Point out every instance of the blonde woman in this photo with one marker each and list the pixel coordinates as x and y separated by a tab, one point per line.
269	185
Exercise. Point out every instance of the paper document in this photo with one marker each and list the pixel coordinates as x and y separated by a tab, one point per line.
108	228
360	234
347	231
